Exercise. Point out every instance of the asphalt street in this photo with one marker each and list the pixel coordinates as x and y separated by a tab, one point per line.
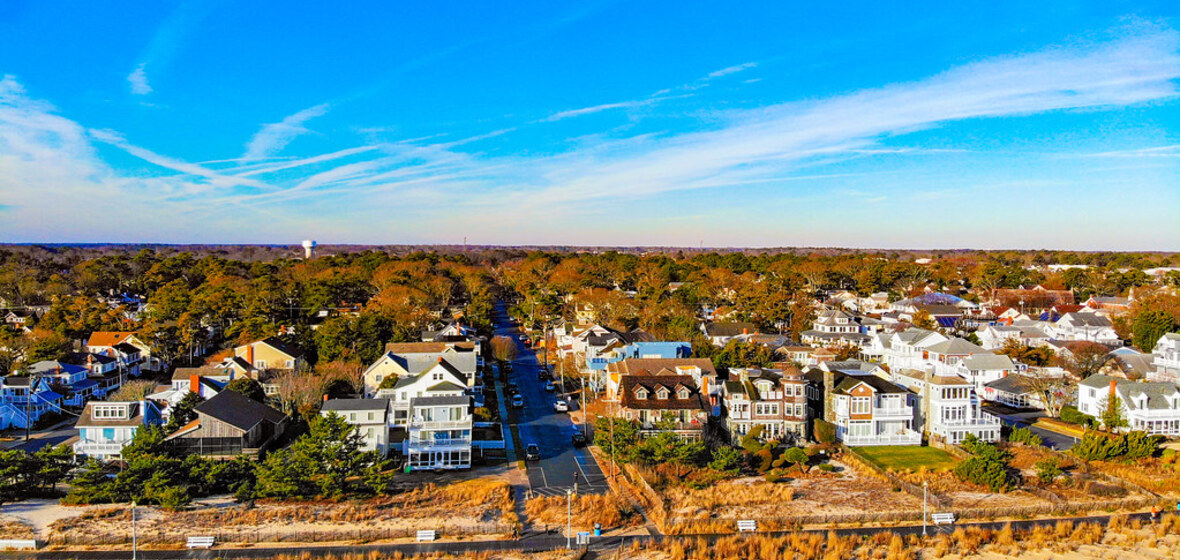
1053	440
561	464
58	434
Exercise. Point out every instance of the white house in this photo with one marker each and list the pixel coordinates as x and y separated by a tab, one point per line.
370	416
981	369
866	409
1153	407
439	432
104	428
1085	326
410	359
950	406
1166	358
834	327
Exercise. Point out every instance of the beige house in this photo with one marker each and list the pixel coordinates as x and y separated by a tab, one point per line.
270	354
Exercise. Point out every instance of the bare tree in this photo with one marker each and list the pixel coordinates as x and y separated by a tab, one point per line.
299	391
1053	392
134	390
503	349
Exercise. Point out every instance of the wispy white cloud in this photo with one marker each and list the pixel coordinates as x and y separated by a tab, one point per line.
731	70
597	109
165	41
272	138
1171	151
138	80
214	178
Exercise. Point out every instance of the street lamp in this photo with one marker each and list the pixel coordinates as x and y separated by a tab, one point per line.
924	485
134	535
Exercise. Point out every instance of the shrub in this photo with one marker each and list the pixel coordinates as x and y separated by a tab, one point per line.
727	460
826	467
1047	470
1102	447
1025	436
1071	414
825	432
988	466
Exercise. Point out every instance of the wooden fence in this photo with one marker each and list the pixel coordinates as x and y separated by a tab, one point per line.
231	535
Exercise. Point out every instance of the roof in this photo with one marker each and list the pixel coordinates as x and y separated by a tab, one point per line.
108	338
86	419
976	362
955	346
948	380
280	345
238	411
355	404
652	384
186	373
445	386
80	358
1015	383
457	400
935	310
127	348
730	329
845	383
1131	391
650	366
52	367
1086	320
428	347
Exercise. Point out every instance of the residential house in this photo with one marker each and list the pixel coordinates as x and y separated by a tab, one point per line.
663	402
1166	359
230	424
1085	326
951	408
981	369
132	352
719	334
104	370
370	416
1015	390
910	348
71	381
25	399
106	427
775	399
700	370
1108	304
1031	300
411	359
866	409
439	431
271	353
639	349
440	380
834	327
1153	407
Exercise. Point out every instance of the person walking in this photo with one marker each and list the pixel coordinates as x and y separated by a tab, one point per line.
1155	513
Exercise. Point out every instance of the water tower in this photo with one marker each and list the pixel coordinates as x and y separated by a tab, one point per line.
308	248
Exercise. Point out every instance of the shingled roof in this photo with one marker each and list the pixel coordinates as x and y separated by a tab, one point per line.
631	385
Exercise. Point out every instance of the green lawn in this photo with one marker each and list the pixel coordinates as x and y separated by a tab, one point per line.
908	457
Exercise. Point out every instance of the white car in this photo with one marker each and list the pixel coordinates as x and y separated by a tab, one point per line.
561	406
517	401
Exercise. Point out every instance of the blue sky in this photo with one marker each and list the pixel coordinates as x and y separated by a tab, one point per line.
594	123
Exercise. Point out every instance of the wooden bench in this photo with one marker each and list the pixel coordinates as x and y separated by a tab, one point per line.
201	542
942	518
426	536
747	526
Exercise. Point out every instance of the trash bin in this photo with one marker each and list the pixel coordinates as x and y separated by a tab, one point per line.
598	529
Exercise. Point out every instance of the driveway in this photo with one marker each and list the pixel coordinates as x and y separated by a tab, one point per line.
561	463
53	436
1018	419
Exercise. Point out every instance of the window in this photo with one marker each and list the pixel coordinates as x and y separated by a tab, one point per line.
641	394
370	419
662	394
290	364
861	405
110	412
682	394
766	409
378	377
260	364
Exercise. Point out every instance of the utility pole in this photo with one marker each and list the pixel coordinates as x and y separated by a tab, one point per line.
134	535
28	401
569	516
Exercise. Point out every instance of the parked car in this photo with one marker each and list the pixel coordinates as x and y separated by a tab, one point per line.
532	452
513	391
561	406
517	401
512	384
549	386
579	439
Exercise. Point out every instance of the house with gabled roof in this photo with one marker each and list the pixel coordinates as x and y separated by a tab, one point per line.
1152	407
409	359
370	416
228	425
271	353
663	403
1085	326
106	427
440	380
132	352
720	333
865	409
773	399
700	370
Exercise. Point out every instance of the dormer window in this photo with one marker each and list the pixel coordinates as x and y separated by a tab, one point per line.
662	394
641	394
682	394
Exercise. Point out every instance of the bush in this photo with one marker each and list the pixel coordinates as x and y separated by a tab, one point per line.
826	467
1071	414
1048	470
988	466
825	432
1102	447
1025	436
727	460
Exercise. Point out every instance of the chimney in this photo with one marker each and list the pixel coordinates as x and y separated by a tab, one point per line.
745	331
250	354
829	388
1113	387
440	359
325	397
194	383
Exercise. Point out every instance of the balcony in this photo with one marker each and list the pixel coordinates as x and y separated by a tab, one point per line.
985	420
908	437
427	444
418	425
94	448
673	426
894	412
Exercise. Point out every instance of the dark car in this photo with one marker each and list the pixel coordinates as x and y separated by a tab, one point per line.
512	384
532	452
579	439
517	401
